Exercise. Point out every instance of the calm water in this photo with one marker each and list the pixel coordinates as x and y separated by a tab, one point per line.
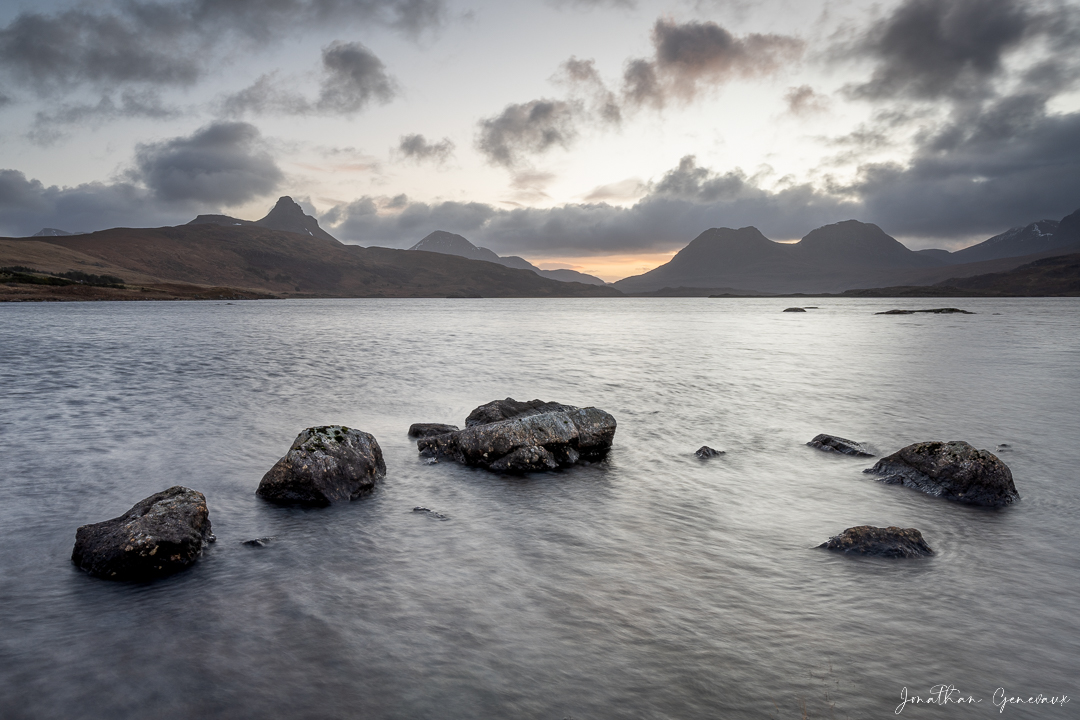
653	585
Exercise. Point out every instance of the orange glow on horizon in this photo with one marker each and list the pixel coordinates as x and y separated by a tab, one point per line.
606	267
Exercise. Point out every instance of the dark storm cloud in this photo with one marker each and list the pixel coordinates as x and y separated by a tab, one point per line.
417	147
174	43
365	220
26	206
222	163
528	129
695	55
353	78
955	49
216	166
1009	165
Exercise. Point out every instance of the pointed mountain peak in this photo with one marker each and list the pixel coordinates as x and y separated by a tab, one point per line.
288	216
286	207
445	242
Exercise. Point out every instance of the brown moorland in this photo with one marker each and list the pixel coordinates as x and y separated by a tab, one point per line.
209	260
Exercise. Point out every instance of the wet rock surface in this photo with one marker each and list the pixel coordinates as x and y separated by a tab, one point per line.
257	542
325	465
832	443
953	470
510	408
536	436
159	536
419	430
892	542
794	309
705	452
935	311
430	513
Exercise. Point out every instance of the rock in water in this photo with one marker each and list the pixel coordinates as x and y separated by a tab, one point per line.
537	436
953	470
705	452
794	309
831	443
419	430
510	408
325	465
160	535
882	542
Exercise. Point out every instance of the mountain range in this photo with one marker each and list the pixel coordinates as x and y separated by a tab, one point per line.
839	257
286	254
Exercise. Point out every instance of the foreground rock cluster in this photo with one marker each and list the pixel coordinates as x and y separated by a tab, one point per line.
518	437
329	464
953	470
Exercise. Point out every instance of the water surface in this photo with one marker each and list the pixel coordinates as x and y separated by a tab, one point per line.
652	585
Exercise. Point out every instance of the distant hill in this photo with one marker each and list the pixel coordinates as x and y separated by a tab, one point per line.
286	215
448	243
1055	276
52	232
829	259
1034	238
254	260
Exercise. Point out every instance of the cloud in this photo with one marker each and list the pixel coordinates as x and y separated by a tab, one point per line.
223	163
132	104
587	86
26	206
957	49
528	129
803	100
983	172
175	44
353	78
416	147
629	189
686	201
693	56
169	182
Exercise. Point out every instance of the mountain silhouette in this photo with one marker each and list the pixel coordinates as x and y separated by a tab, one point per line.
449	243
286	215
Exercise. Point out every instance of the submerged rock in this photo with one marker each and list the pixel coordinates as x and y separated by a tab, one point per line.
794	309
831	443
936	311
160	535
325	465
882	542
705	452
430	513
953	470
527	437
419	430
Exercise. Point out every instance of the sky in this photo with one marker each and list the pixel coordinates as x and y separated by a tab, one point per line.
600	135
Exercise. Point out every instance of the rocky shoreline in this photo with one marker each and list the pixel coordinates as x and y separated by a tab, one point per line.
331	464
